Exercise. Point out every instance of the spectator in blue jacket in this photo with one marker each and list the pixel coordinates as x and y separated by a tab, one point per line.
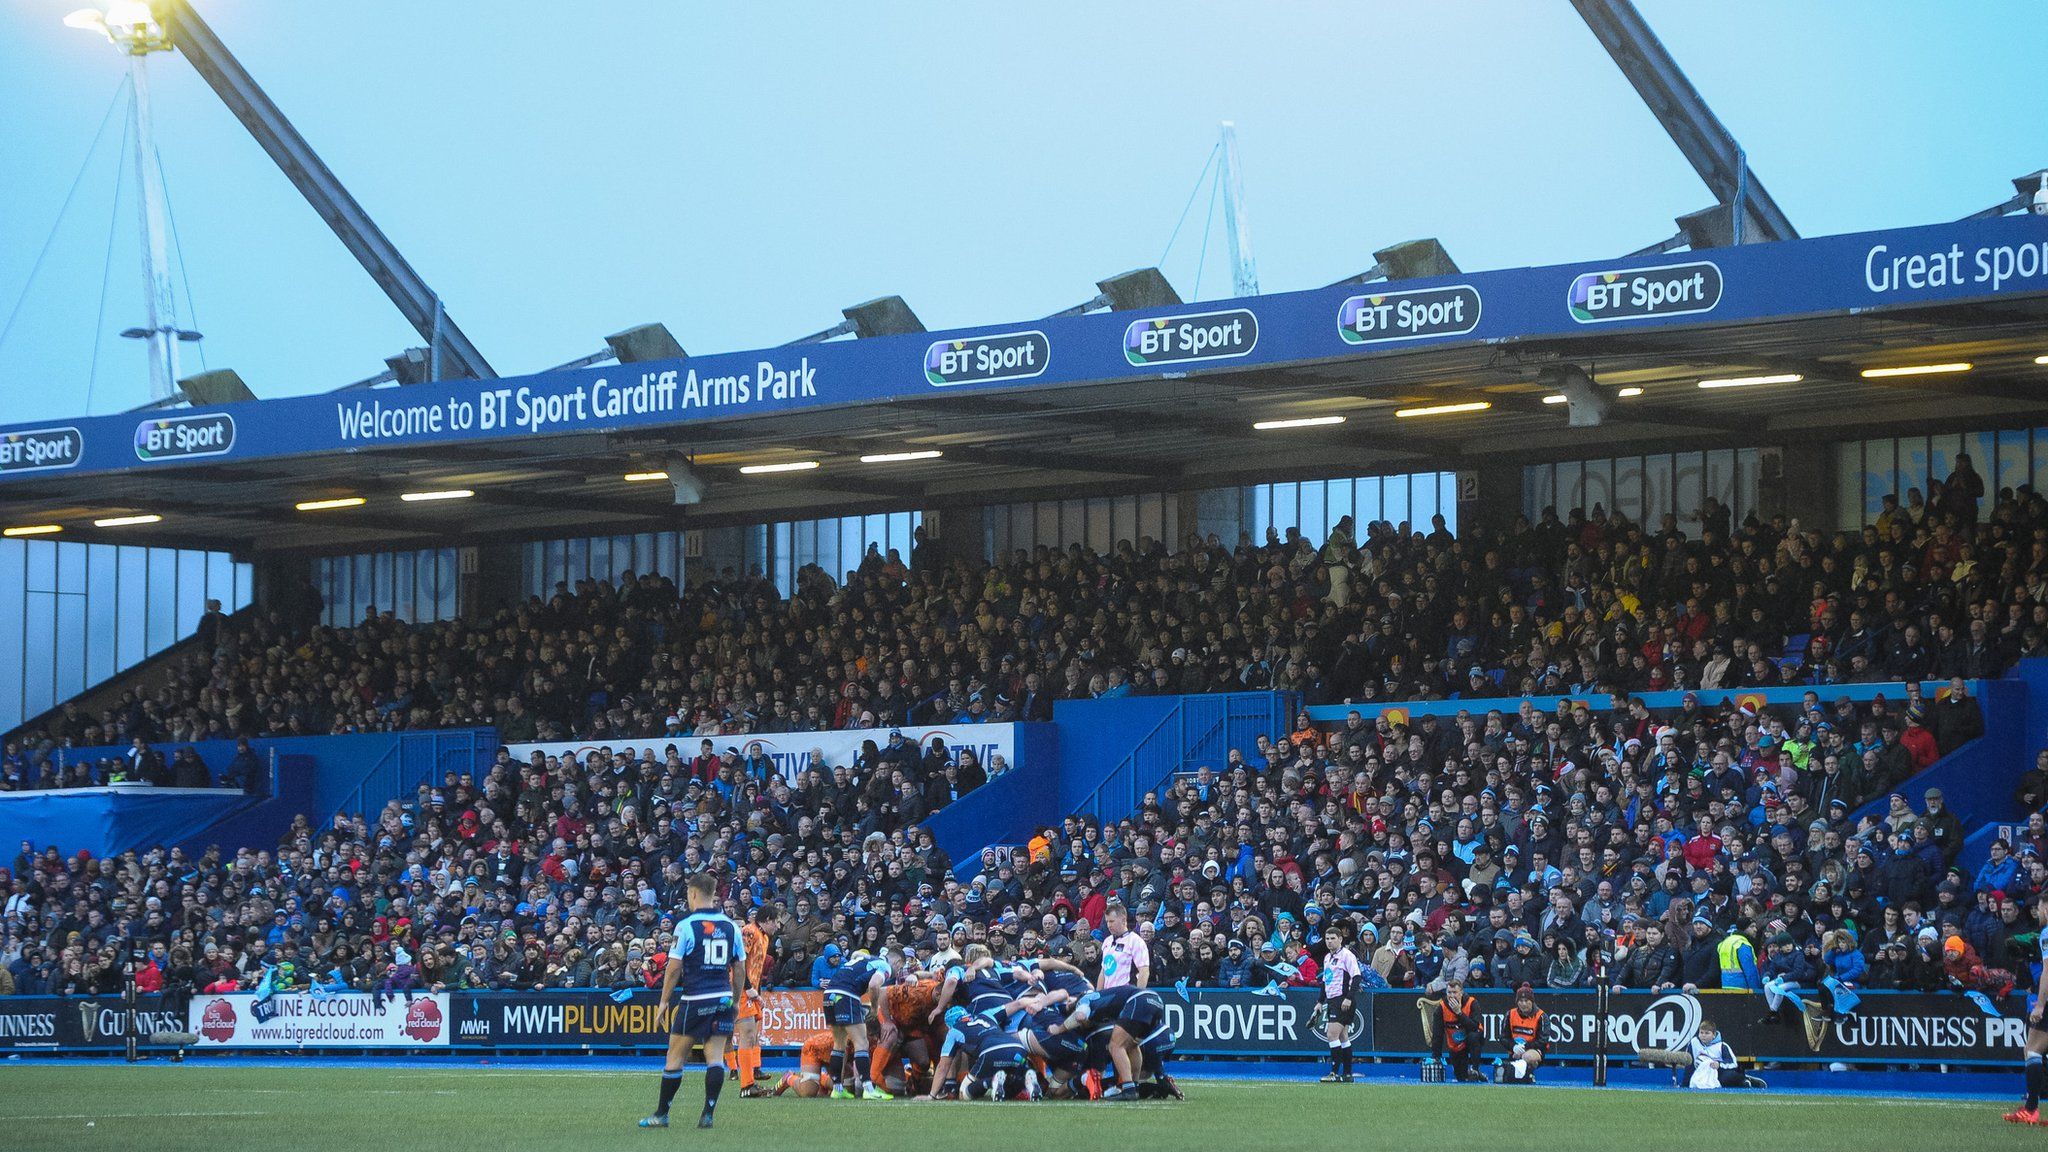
2000	872
1844	959
1786	968
1981	925
1234	970
826	964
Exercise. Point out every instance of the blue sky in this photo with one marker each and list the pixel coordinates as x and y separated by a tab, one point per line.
739	172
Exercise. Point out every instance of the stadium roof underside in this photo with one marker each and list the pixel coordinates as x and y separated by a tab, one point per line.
1100	414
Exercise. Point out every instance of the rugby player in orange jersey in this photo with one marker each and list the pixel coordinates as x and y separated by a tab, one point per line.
811	1078
759	937
904	1014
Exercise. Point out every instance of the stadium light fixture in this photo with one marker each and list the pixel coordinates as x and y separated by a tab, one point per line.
643	343
223	386
1443	409
1138	288
1297	422
32	530
1586	403
444	494
326	505
1708	228
1408	260
2030	194
902	457
685	485
1747	381
643	477
128	23
412	366
1916	370
127	521
1629	393
770	469
1556	398
2043	360
882	316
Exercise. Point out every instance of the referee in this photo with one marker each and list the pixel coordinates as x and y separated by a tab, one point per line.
1341	972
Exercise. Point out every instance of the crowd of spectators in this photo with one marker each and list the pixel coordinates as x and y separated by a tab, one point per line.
1499	848
1589	602
1502	846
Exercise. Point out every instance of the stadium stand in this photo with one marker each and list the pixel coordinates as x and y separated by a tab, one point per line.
1508	846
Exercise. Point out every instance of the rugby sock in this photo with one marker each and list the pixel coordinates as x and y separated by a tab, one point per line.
860	1065
2036	1072
836	1066
1336	1057
714	1079
670	1081
1346	1051
748	1062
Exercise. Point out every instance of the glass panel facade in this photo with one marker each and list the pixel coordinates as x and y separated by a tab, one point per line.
1870	470
416	587
1645	488
74	614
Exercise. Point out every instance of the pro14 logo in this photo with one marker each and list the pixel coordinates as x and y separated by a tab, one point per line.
182	437
1637	293
1380	317
1202	336
984	359
41	449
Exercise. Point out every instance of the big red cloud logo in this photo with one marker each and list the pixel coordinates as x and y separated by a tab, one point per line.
218	1024
423	1020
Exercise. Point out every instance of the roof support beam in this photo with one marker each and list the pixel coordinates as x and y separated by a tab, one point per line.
322	189
1699	134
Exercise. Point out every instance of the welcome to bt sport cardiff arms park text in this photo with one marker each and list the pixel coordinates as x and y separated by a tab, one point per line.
529	409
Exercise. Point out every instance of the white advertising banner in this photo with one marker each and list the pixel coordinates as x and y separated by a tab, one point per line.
294	1019
792	750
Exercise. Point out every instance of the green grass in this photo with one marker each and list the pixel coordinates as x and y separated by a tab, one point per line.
220	1107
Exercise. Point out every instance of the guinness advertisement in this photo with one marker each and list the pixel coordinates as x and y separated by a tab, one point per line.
79	1023
1886	1028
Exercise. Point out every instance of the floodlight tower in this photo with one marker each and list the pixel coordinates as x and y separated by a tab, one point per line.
130	26
1244	271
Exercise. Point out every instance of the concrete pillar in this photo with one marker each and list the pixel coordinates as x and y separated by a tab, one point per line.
490	580
1798	482
283	583
1489	498
956	534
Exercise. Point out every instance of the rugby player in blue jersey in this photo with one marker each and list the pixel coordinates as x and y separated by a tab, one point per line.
703	979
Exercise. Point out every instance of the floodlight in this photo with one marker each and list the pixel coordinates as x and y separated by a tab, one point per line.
643	343
882	316
412	366
1408	260
1138	288
222	386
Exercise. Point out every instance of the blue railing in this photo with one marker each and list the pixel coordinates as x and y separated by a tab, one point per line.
1198	730
417	758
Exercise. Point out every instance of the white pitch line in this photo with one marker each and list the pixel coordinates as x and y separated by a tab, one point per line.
127	1115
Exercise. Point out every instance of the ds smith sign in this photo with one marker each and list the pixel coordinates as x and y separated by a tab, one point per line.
185	437
1640	293
41	449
